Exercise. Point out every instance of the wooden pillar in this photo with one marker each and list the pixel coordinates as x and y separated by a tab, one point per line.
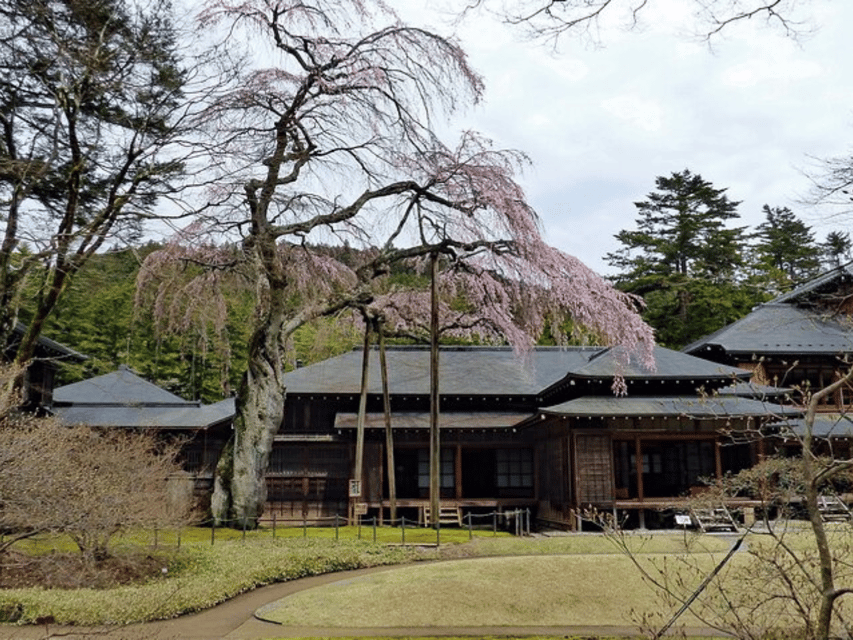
457	470
638	456
718	459
434	412
382	474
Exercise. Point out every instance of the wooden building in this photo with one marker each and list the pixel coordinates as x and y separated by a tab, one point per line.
40	376
801	341
124	400
798	340
541	430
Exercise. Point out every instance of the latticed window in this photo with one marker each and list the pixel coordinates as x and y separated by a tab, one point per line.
514	468
286	461
446	469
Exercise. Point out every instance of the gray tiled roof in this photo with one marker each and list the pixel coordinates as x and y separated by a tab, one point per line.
124	399
51	347
669	364
780	329
190	416
842	273
447	420
628	406
122	387
825	426
462	371
491	370
754	391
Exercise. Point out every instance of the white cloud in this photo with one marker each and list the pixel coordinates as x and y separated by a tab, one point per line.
601	124
754	72
641	113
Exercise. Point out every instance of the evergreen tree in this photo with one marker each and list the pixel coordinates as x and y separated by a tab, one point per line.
684	259
680	231
836	248
92	108
786	251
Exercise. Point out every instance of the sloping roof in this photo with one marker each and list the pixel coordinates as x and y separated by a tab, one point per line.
447	420
462	371
754	391
825	426
844	273
637	406
124	399
493	371
190	417
122	388
49	347
669	365
779	329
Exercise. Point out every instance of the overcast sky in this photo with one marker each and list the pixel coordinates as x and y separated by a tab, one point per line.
601	123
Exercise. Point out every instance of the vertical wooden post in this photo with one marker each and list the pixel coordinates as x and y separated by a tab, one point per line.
718	459
638	456
434	440
457	471
362	410
389	432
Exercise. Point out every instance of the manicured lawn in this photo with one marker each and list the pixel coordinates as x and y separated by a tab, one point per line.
565	590
199	575
554	574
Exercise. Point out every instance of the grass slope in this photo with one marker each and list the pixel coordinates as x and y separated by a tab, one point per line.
585	590
200	575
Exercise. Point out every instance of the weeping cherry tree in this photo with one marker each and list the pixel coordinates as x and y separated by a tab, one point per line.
330	138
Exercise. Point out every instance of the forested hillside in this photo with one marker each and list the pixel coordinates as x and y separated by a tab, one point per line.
102	316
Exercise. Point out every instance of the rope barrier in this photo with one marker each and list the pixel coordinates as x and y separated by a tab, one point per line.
517	521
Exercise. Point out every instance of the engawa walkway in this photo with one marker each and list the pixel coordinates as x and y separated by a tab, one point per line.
235	620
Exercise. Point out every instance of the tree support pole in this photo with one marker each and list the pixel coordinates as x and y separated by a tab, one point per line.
434	443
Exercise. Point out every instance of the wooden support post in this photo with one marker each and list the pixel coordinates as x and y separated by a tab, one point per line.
389	433
457	471
638	455
718	459
358	466
434	412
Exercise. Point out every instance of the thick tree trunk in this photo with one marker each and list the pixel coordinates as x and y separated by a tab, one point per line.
240	493
220	501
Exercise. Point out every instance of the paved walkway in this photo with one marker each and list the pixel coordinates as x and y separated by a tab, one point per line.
235	620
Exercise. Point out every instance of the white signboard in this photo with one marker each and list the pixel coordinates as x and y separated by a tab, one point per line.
355	488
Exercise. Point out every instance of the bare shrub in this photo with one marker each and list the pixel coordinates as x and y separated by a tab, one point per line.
90	484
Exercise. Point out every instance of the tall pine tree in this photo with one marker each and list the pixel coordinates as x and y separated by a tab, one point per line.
836	248
785	251
684	259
